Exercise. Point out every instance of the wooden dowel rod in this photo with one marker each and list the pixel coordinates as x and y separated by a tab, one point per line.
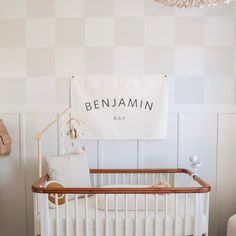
44	130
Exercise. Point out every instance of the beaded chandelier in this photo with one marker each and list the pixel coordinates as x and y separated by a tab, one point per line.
192	3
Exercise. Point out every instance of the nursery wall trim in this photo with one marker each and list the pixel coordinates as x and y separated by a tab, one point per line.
42	108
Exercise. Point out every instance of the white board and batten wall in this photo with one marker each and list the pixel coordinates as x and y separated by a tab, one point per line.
209	132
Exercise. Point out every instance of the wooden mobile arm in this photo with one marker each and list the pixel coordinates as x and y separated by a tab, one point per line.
39	138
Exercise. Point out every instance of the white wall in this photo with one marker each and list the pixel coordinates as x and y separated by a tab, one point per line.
43	42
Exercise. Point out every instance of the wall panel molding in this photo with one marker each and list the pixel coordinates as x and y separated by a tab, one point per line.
54	108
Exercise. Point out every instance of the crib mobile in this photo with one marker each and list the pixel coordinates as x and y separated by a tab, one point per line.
121	202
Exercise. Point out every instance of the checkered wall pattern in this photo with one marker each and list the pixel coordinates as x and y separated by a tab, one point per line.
43	42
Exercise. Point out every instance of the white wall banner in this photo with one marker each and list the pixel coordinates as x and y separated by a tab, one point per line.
121	107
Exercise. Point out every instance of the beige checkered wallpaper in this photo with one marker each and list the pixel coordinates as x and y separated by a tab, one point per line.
43	42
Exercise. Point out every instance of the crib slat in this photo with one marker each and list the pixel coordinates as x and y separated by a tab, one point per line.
66	212
101	180
166	208
136	214
42	218
126	209
86	214
168	177
57	217
153	178
185	212
207	196
146	208
196	214
156	213
174	179
96	215
145	178
176	209
161	177
187	181
35	202
76	216
131	178
138	178
38	203
116	216
106	225
46	214
94	183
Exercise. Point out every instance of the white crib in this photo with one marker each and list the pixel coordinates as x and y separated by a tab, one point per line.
112	208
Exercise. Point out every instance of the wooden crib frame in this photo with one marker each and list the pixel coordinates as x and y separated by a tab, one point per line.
200	190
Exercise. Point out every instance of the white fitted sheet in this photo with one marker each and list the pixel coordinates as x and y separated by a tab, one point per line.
130	228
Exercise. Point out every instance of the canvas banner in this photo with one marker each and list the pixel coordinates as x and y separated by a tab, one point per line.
121	107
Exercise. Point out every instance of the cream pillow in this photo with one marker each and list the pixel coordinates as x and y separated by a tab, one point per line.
69	170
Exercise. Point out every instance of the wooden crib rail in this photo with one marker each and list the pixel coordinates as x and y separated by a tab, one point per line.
139	171
151	171
204	187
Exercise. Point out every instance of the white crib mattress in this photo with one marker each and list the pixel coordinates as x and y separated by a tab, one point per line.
100	228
